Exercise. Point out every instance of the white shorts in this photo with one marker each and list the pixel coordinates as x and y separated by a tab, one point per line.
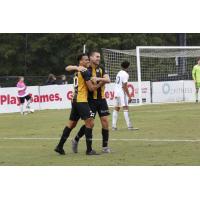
121	101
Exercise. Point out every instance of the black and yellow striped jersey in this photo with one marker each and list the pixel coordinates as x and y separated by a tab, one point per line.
80	87
100	92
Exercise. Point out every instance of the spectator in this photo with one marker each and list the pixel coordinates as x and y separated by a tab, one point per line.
62	80
51	80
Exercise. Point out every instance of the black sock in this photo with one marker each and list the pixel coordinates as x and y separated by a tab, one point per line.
80	134
88	135
105	136
64	136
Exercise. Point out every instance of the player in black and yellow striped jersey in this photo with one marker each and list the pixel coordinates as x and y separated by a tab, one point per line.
97	101
80	107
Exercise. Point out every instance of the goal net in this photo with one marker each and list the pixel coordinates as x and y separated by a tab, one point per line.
154	64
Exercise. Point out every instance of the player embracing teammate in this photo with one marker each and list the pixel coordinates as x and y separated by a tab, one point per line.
80	107
97	102
95	99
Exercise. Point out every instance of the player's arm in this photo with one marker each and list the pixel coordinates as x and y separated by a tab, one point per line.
125	88
194	74
75	68
91	86
21	88
87	77
105	79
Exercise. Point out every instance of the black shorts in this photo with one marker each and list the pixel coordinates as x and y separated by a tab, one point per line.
80	110
100	106
22	99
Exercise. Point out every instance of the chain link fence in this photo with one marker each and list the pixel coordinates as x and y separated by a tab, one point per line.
11	81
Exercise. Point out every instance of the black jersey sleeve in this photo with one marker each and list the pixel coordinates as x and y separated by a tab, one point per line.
86	75
103	71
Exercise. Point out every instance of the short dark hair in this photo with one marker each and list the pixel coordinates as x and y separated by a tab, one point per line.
80	56
93	52
125	64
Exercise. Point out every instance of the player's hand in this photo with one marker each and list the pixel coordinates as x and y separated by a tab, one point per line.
94	79
129	100
81	69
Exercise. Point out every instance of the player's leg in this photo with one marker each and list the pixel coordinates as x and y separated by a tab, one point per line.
73	119
22	100
105	134
115	113
89	123
103	112
197	91
81	131
124	103
127	117
66	132
126	114
86	114
80	134
28	99
87	131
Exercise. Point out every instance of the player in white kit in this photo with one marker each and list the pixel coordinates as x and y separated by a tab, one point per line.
122	97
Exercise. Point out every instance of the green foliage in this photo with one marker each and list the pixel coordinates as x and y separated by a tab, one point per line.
40	54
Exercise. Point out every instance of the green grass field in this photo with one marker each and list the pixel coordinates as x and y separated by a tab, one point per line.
169	135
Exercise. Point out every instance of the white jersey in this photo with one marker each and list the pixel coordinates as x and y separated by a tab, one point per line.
121	78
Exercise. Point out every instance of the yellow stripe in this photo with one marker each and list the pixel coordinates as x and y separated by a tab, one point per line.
94	75
82	89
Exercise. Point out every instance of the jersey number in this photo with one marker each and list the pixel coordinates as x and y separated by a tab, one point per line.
75	81
118	79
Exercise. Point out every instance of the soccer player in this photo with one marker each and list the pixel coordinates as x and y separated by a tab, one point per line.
122	97
196	77
22	95
97	102
80	107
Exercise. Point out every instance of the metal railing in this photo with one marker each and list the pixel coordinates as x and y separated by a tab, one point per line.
11	81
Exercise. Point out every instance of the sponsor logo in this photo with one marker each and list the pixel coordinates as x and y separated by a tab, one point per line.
8	99
165	88
172	89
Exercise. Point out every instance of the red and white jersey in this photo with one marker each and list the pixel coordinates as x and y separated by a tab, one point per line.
121	78
21	89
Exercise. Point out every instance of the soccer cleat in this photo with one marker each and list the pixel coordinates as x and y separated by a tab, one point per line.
74	146
132	129
92	153
114	128
59	150
106	150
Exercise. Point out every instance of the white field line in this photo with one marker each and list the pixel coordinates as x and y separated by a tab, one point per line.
143	111
169	110
112	139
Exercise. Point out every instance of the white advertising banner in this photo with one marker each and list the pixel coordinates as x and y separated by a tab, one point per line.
146	92
189	91
59	96
55	96
133	89
10	103
173	91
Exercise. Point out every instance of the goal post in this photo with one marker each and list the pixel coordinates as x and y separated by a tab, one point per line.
139	75
153	64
